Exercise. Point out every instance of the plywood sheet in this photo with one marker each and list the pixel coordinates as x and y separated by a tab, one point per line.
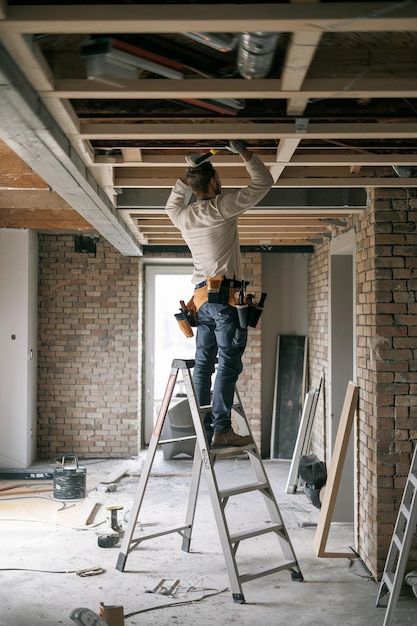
335	473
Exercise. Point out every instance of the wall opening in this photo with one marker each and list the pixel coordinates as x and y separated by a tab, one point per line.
165	286
342	356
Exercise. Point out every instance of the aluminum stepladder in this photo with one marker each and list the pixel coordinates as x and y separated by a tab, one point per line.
205	458
404	530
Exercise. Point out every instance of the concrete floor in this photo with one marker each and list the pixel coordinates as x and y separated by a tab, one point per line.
43	544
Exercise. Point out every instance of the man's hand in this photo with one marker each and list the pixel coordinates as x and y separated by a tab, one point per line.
236	146
193	158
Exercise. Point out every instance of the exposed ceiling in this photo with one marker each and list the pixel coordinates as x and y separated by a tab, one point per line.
100	103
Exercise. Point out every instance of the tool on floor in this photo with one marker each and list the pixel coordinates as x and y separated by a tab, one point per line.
205	458
111	539
158	587
165	591
404	530
113	519
108	541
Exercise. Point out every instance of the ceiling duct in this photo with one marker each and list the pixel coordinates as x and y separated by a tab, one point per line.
256	53
404	171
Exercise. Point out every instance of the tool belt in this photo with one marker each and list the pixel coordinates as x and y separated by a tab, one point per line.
233	292
221	290
187	317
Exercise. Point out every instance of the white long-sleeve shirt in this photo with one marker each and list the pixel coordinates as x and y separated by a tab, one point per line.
209	227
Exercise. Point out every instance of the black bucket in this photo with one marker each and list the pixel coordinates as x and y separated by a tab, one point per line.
69	481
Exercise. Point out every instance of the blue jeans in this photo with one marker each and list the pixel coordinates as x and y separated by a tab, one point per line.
220	336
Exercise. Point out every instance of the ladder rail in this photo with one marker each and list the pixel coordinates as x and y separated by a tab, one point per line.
402	537
205	459
146	470
192	499
218	509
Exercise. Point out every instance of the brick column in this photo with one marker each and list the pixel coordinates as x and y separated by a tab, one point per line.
249	383
386	367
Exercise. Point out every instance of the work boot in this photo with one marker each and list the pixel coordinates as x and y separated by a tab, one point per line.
230	438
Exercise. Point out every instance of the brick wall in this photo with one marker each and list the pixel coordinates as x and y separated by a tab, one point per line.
318	321
367	422
387	333
90	351
87	351
249	383
386	342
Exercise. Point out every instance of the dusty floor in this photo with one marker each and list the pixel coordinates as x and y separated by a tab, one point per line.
45	542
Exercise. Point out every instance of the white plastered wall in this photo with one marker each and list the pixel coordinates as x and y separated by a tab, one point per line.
18	330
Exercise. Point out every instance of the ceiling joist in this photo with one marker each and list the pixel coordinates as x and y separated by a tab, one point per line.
334	117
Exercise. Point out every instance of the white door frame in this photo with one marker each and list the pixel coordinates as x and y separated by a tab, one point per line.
342	361
165	266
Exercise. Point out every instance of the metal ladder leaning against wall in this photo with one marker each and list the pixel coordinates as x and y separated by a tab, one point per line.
205	458
404	530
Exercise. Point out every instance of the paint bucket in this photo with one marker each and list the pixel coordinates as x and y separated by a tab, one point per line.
69	480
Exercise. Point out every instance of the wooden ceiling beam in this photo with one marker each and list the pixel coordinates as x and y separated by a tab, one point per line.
346	87
46	220
261	222
31	132
297	160
326	17
298	58
39	199
241	130
285	182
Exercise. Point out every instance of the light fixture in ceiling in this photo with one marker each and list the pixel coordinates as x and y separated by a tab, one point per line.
102	59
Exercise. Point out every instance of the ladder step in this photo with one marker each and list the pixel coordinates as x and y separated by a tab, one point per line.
405	511
396	539
255	532
413	479
234	491
388	580
266	571
161	533
226	451
190	438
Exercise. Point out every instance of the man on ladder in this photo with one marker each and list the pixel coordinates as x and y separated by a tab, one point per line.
209	227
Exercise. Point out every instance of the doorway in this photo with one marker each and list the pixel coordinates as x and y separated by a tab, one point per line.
165	286
342	343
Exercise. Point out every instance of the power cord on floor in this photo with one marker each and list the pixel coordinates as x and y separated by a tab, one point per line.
179	603
89	571
41	521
